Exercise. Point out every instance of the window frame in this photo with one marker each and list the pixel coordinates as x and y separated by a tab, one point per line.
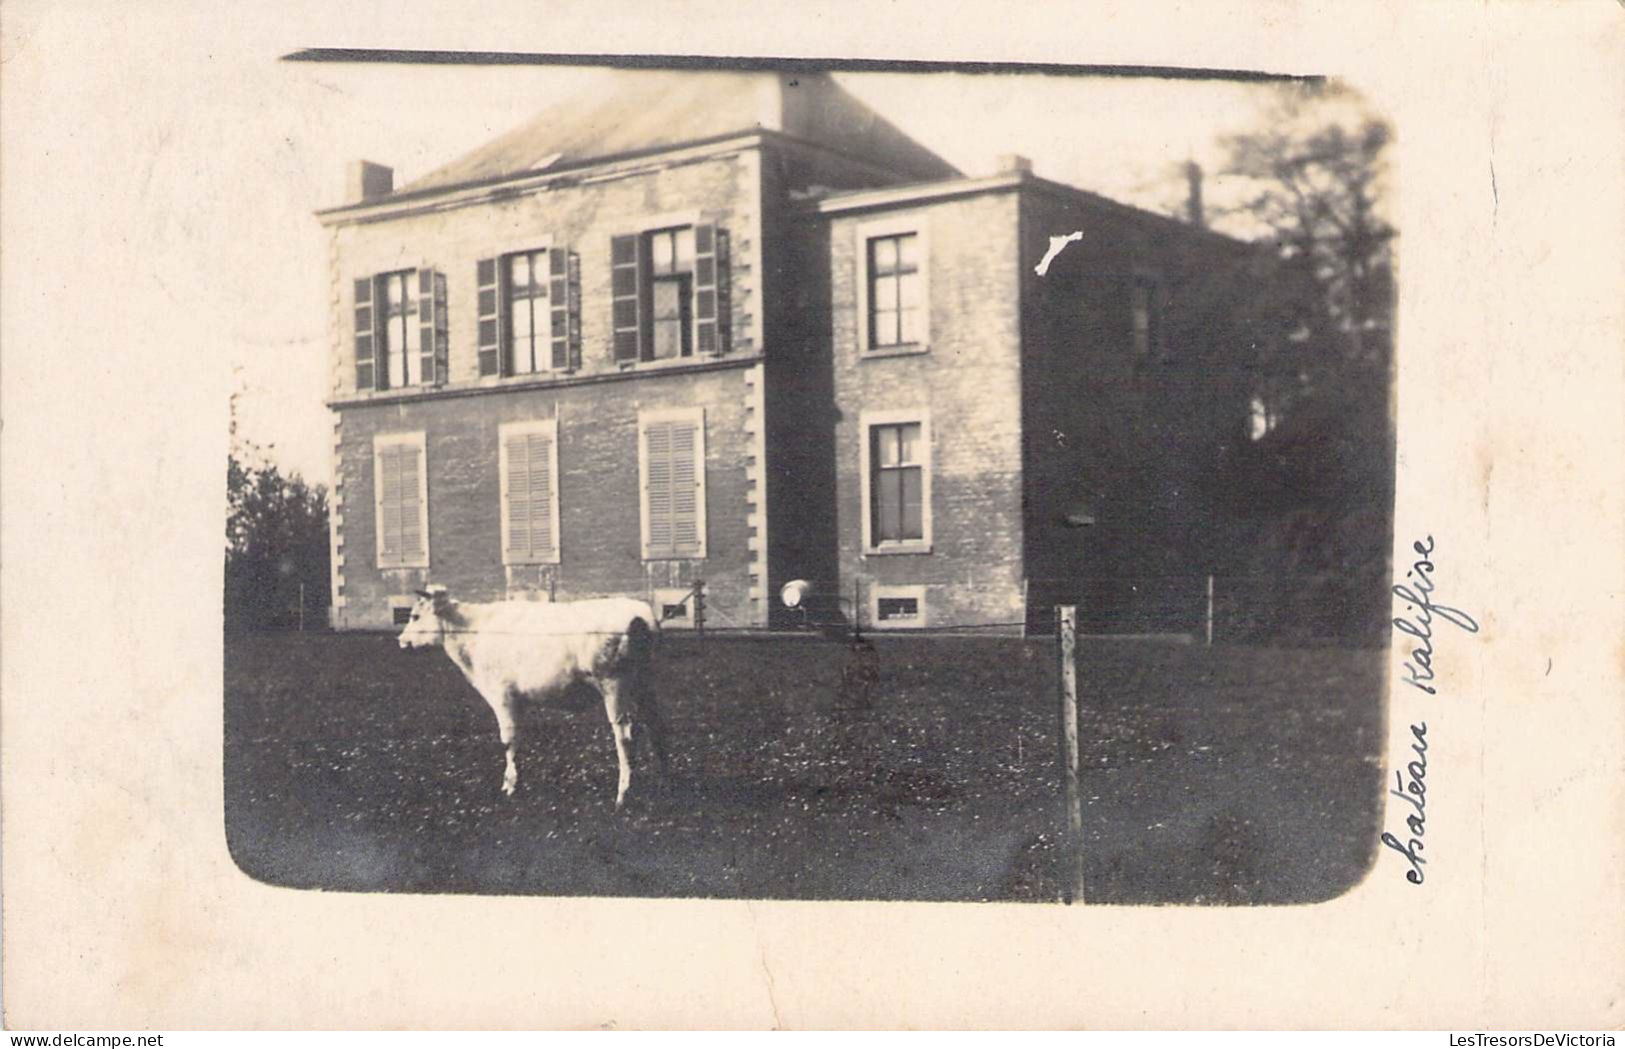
674	595
887	592
664	415
863	235
685	280
499	255
544	352
550	427
867	422
415	439
383	351
643	229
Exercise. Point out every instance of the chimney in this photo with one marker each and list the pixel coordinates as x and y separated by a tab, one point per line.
1013	164
1193	202
368	181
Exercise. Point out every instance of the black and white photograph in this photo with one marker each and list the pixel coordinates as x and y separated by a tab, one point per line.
733	490
892	516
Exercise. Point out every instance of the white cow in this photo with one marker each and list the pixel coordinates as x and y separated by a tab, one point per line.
527	651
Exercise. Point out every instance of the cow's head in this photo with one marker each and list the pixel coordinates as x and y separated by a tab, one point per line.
427	625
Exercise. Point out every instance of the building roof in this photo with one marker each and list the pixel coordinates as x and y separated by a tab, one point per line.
650	110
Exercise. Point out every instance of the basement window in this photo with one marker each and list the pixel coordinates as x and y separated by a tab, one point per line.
403	616
897	608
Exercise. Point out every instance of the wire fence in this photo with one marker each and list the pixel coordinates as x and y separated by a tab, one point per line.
1257	608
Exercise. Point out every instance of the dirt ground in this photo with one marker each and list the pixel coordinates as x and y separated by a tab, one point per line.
1224	775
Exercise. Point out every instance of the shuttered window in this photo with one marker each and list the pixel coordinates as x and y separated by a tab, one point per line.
489	340
401	330
564	309
672	464
529	318
530	509
626	297
401	501
365	378
670	293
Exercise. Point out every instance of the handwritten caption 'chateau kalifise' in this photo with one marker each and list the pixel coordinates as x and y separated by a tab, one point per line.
1422	613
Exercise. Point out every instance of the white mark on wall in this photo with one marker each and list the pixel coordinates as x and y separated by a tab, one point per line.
1055	246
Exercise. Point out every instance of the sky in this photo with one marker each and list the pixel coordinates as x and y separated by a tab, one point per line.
1127	138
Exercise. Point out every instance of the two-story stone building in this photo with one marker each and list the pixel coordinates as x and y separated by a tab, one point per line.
733	326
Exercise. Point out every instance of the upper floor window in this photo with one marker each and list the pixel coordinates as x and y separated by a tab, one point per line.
669	293
400	329
893	283
894	290
528	320
529	312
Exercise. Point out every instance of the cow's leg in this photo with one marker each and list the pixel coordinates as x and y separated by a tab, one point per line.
618	709
654	729
508	729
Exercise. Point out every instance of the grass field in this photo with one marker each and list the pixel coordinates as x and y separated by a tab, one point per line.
1225	775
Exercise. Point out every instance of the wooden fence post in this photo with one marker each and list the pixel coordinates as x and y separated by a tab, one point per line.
1210	610
699	608
1066	617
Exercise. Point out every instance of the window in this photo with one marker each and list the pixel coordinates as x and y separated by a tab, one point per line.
669	293
528	320
529	312
401	500
897	606
671	468
896	475
676	607
894	290
671	290
893	286
529	470
896	478
400	329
